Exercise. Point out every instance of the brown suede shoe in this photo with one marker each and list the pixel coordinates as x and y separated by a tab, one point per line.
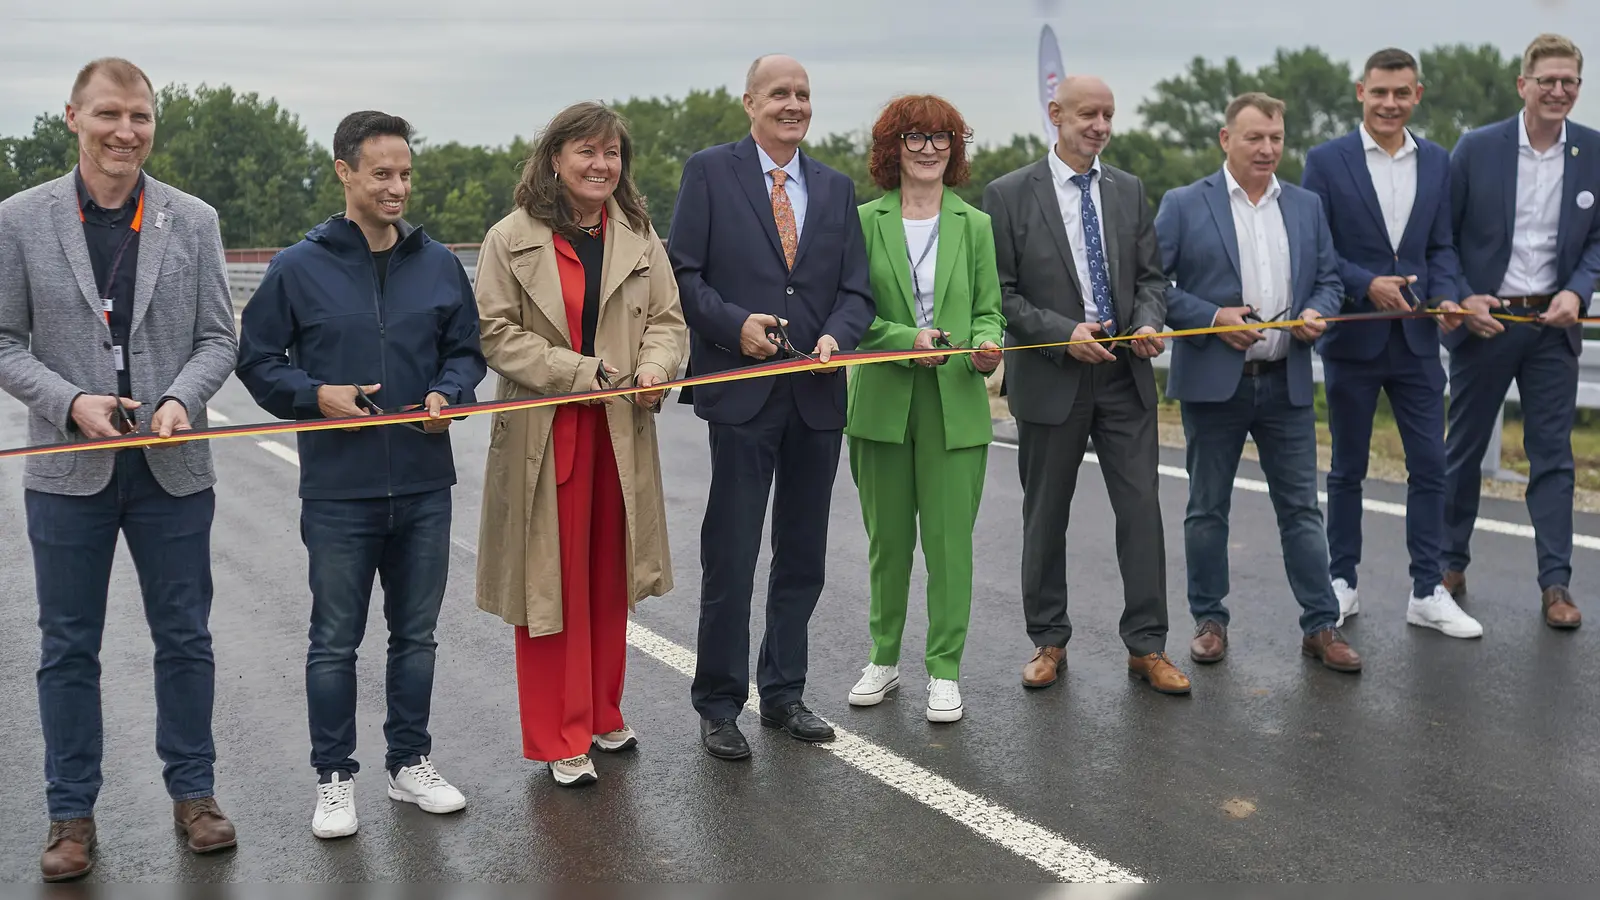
1559	612
1041	670
1210	642
1455	583
1160	672
1329	646
204	824
66	854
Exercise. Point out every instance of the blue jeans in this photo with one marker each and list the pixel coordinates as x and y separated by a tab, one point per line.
405	542
1286	438
74	542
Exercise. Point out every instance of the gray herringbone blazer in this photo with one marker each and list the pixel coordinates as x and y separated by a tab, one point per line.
55	344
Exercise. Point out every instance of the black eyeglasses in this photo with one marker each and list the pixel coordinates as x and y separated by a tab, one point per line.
916	140
1549	82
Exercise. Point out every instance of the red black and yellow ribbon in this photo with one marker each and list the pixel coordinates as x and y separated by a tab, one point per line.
762	370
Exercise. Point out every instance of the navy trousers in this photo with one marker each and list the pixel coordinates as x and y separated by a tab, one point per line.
776	446
1415	387
1546	372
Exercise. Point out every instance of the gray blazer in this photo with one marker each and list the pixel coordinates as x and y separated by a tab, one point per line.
54	342
1039	290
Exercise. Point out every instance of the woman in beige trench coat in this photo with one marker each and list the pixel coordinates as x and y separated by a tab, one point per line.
573	283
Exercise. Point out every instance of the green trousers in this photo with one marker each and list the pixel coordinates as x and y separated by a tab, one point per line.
904	485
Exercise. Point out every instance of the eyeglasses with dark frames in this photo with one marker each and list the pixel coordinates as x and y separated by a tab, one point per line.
1549	82
916	140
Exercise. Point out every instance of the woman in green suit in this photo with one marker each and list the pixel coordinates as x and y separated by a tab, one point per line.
919	429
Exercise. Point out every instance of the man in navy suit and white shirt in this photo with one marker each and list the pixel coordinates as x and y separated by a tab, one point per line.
1241	246
765	239
1387	197
1529	235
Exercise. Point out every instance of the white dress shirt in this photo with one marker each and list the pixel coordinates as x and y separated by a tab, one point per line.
1070	198
1538	217
1263	261
922	248
1394	180
794	185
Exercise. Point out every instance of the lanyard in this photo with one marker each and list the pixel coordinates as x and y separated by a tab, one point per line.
916	283
116	260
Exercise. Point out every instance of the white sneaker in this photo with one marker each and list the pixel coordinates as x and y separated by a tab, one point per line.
336	809
1349	603
617	741
944	700
575	771
1440	611
423	785
875	684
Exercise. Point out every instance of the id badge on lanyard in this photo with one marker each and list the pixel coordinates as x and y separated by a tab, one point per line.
119	353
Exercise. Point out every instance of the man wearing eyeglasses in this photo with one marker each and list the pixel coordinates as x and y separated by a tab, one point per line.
1529	235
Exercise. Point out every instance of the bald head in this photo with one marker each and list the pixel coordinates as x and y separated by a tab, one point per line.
770	66
777	98
1081	111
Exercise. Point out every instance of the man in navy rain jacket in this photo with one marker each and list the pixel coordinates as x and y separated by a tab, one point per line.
367	313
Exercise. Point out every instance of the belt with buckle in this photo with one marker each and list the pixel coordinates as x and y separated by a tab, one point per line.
1532	301
1254	367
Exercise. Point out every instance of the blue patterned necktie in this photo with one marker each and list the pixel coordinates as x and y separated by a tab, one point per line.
1099	274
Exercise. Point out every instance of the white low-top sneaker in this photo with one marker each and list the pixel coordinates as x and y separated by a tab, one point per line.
944	700
1441	612
617	741
875	684
423	785
575	771
1349	602
336	808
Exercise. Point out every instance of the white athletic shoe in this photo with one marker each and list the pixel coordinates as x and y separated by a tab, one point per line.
1349	603
876	682
336	808
423	785
573	772
944	701
617	741
1441	612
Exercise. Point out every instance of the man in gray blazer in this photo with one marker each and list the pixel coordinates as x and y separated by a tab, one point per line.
115	316
1243	247
1076	251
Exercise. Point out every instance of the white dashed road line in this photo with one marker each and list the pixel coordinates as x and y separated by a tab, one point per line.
1050	851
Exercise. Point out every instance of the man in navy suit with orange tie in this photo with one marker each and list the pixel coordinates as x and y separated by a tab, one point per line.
767	248
1387	197
1529	236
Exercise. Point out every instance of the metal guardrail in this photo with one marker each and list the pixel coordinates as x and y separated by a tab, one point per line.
245	277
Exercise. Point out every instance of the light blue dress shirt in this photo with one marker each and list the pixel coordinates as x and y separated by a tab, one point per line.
794	186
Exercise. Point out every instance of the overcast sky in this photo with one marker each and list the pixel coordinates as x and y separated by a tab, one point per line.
483	71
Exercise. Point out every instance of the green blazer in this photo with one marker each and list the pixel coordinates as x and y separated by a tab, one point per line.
966	303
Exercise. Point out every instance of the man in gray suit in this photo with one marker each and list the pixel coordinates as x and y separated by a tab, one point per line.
1076	251
115	316
1243	248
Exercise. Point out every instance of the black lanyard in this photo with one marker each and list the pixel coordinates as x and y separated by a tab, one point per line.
116	259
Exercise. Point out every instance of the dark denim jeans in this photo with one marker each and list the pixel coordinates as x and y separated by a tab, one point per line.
74	542
405	542
1286	441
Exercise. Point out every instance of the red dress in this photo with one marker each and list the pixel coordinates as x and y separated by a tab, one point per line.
569	684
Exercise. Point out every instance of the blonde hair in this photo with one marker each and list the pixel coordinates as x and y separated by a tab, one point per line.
1550	46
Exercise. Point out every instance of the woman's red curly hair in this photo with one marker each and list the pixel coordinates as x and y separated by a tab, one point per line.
920	112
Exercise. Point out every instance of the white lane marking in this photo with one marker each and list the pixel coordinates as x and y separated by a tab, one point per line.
1378	506
216	415
1050	851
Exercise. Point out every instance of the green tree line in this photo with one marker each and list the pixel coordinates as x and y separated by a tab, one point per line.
270	182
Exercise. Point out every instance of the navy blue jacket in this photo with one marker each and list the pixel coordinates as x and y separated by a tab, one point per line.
319	318
1337	171
728	260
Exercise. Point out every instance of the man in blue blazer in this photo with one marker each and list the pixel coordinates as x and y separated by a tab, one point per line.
766	241
1387	197
1241	246
1529	235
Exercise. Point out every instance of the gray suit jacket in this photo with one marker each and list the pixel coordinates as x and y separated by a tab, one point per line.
55	345
1039	290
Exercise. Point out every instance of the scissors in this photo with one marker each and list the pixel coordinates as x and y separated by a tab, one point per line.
786	349
365	402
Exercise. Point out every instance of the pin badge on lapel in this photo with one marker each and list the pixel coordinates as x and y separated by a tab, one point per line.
1585	199
161	219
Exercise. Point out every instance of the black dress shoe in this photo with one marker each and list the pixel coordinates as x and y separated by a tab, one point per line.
801	723
723	739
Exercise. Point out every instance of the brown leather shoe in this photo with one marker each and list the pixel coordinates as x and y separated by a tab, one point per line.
1210	642
1559	611
1041	670
1329	646
204	824
66	853
1455	583
1160	672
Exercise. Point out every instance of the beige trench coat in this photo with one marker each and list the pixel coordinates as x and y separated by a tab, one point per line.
523	322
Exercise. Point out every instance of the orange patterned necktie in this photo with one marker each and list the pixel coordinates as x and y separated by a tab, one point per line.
783	215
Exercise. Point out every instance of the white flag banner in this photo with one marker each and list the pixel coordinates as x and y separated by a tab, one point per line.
1051	72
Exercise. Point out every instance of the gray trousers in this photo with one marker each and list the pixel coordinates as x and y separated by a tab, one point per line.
1107	407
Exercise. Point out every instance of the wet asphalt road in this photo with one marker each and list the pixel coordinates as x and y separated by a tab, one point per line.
1445	759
